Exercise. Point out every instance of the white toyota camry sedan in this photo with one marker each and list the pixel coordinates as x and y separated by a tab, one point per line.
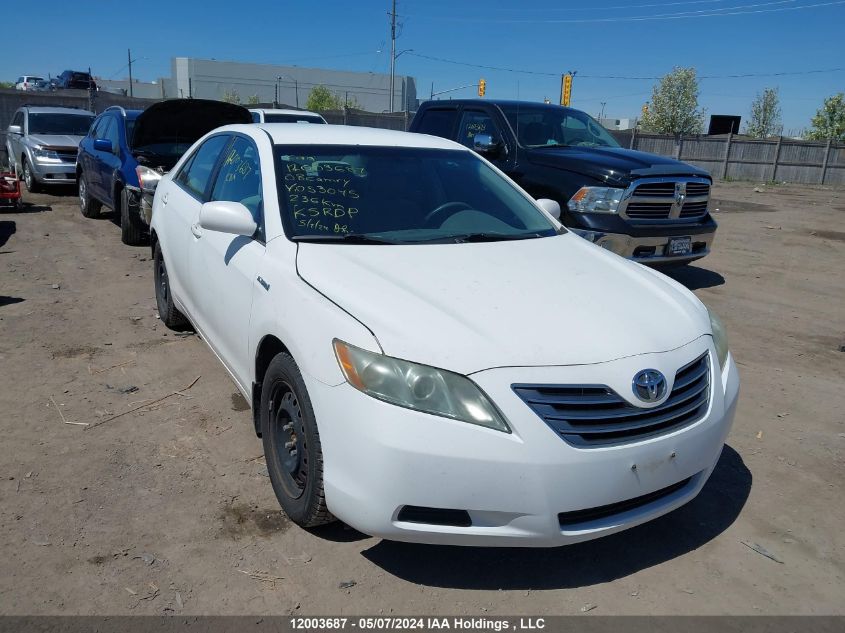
430	356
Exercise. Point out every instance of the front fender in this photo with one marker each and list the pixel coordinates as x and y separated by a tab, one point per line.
304	320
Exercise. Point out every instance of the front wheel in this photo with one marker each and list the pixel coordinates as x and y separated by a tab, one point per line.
32	185
130	233
90	208
292	444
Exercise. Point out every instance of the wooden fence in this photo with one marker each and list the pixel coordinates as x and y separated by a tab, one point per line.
730	157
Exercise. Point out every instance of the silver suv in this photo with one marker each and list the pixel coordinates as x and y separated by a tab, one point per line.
42	144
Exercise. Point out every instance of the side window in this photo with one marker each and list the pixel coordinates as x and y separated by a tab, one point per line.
239	179
475	122
256	118
196	173
98	130
438	122
18	120
112	133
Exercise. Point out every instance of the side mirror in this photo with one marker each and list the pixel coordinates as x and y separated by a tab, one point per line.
549	206
227	217
486	144
14	129
103	145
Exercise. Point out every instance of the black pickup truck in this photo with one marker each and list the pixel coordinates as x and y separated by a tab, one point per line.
645	207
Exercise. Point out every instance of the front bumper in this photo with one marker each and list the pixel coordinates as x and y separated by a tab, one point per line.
379	458
53	173
649	249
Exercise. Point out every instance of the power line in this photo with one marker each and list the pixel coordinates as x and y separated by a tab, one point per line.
643	78
706	13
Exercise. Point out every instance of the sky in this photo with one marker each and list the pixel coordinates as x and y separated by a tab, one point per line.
618	48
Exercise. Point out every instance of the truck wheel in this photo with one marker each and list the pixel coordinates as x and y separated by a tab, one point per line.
292	444
32	185
130	233
90	208
167	311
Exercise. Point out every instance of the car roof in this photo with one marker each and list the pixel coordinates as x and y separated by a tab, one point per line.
287	134
284	111
56	110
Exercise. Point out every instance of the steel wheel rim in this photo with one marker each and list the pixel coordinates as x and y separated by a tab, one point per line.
161	271
289	443
27	176
82	192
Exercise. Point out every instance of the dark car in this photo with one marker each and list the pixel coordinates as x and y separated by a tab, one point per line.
74	79
649	208
126	152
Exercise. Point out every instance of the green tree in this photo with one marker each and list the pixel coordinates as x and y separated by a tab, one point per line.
829	122
674	105
6	84
252	100
765	115
321	98
231	96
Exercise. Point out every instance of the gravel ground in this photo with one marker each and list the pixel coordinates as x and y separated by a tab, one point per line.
167	509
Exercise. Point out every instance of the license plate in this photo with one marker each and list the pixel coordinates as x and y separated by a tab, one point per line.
679	246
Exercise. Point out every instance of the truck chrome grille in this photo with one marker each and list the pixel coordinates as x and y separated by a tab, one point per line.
666	200
587	416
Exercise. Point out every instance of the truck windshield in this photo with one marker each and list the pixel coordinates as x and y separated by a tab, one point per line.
54	123
400	195
550	126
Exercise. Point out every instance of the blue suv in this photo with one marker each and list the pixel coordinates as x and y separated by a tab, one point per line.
126	152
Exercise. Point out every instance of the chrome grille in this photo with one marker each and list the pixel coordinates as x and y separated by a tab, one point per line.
67	157
666	200
595	415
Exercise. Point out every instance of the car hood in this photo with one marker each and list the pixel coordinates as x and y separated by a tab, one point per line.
184	120
54	140
613	164
538	302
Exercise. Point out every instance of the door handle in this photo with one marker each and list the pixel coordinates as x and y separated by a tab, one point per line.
263	283
195	229
164	199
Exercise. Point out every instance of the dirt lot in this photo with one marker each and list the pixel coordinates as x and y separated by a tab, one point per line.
168	509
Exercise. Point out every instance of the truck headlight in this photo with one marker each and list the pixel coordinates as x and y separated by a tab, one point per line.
46	155
417	387
596	200
720	338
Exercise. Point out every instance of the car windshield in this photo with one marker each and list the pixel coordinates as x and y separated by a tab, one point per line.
556	126
55	123
291	118
400	195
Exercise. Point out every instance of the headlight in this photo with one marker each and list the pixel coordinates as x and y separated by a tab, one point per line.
45	155
417	387
148	179
596	200
720	338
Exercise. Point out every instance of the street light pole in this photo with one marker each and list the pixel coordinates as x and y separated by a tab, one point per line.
129	57
392	51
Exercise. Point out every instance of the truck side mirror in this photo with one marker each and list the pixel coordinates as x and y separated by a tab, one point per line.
487	145
14	129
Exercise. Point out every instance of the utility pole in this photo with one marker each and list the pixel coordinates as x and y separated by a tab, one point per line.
129	57
392	51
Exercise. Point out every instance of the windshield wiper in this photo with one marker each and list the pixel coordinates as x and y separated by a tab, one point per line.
491	237
349	238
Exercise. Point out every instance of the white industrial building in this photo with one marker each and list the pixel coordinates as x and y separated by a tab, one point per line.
213	79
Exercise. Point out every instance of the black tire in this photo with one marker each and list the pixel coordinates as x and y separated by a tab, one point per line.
90	208
131	233
292	444
29	180
167	311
